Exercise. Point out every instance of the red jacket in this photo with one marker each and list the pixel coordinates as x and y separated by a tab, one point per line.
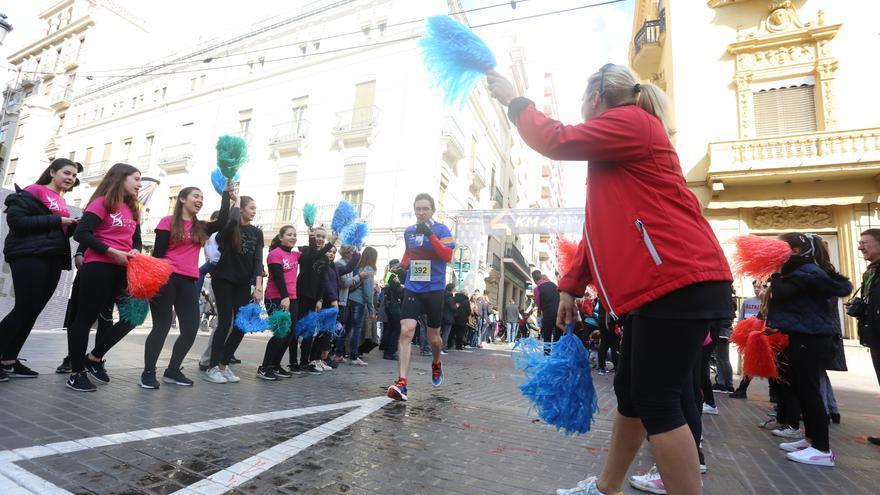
644	235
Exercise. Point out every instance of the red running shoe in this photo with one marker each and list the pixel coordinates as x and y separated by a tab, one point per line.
398	390
436	374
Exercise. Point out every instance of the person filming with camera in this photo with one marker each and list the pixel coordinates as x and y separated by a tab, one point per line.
866	306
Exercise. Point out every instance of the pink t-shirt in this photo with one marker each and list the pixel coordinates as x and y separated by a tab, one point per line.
51	199
289	262
183	255
116	230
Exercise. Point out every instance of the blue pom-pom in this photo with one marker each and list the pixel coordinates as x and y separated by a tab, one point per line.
307	326
344	215
133	310
327	320
559	386
218	180
454	57
279	322
250	319
310	211
354	234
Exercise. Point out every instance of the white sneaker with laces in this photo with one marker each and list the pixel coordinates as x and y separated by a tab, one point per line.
321	365
229	375
794	446
358	362
788	432
584	487
812	456
214	375
707	409
649	482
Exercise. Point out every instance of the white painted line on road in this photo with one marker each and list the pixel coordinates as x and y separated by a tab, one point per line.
17	480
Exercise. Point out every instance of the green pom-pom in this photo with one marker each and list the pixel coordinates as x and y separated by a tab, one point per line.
279	322
231	154
133	310
310	211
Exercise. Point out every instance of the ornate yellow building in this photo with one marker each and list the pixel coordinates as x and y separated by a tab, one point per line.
776	117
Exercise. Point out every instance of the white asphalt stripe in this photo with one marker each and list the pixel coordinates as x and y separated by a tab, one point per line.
21	481
248	469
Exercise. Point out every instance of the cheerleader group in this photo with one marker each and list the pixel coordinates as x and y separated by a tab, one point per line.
297	280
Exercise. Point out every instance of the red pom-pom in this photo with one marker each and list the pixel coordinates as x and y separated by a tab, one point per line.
778	342
759	257
146	275
566	251
741	332
759	359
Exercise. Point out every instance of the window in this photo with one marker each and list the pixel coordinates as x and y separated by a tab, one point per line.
300	106
173	191
789	110
364	96
105	157
10	172
164	90
148	146
356	198
244	121
192	83
72	156
88	160
284	203
126	150
202	81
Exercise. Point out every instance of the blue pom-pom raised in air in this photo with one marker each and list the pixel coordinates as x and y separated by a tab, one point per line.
454	57
354	234
218	180
344	215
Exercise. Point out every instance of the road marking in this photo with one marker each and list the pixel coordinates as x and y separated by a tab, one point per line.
15	480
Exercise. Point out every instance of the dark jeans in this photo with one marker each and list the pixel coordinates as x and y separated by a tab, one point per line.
459	330
99	285
549	332
391	329
355	324
808	354
724	370
204	270
875	358
34	281
230	298
610	341
178	294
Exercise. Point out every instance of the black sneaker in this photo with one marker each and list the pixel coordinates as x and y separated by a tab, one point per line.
295	369
18	370
96	369
176	377
312	369
204	367
80	382
64	367
234	360
331	363
266	374
282	373
738	394
148	380
3	376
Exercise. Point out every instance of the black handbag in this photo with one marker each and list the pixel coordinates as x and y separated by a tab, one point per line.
837	357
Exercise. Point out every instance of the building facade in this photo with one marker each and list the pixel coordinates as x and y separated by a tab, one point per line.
770	114
330	95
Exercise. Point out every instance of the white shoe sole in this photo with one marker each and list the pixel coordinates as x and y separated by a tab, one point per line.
645	488
811	463
212	380
172	381
148	387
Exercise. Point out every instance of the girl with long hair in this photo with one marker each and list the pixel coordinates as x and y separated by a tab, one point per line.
800	304
283	263
360	303
240	267
37	249
179	237
309	290
110	231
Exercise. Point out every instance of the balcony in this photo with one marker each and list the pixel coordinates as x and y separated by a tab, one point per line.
93	172
356	127
71	62
289	138
514	260
452	140
61	99
648	45
177	158
498	198
826	155
477	179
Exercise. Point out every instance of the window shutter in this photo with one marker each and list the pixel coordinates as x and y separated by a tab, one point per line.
785	111
353	176
287	181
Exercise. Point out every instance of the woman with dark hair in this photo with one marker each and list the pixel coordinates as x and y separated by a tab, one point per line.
110	231
240	267
799	305
37	249
179	237
360	303
283	265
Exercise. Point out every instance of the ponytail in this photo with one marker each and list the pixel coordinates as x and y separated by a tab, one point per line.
653	100
618	86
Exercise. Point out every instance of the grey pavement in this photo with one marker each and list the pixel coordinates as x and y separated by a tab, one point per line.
473	435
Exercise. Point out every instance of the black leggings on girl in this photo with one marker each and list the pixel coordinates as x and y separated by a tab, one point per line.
276	346
99	285
34	281
303	305
230	297
808	354
656	363
180	295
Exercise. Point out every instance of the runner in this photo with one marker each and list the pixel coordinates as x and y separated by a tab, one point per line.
429	247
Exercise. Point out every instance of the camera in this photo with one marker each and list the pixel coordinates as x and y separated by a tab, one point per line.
857	307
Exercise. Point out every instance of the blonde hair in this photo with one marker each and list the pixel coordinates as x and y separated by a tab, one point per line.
618	86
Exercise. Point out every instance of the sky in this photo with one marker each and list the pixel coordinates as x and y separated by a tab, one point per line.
571	45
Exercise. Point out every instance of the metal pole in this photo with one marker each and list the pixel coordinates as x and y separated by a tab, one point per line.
460	266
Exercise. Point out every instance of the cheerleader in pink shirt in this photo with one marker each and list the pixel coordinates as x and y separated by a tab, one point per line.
283	264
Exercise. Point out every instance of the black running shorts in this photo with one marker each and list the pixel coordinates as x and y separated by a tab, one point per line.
417	304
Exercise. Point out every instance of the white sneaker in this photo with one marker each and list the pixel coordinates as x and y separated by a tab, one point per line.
584	487
788	432
443	353
649	482
214	375
229	375
794	446
321	365
358	362
812	456
707	409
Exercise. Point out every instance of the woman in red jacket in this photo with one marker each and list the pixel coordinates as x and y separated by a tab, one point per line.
650	253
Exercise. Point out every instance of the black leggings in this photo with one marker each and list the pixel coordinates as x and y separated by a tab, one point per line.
230	297
180	295
276	346
610	340
657	360
303	306
807	355
692	408
34	281
99	285
705	361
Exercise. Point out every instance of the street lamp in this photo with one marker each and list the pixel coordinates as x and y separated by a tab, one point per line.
5	27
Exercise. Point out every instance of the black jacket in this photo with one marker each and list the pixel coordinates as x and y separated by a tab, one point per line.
463	308
869	323
800	298
312	270
448	308
34	230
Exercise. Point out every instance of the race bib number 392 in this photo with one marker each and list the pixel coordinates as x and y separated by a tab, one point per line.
420	270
